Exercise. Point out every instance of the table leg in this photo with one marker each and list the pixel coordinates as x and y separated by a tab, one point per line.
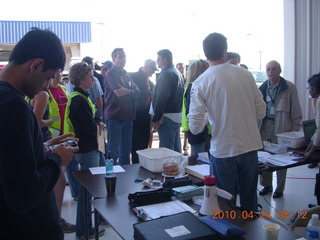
96	224
86	217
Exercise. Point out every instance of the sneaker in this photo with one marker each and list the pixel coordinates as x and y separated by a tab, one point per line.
92	236
67	227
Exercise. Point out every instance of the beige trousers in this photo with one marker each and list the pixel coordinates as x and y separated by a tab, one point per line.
267	134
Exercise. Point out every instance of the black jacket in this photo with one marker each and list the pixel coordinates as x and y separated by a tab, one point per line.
27	177
84	123
143	102
168	92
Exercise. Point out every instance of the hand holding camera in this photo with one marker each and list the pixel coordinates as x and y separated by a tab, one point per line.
71	143
63	146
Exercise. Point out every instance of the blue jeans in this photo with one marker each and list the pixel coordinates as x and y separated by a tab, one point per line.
240	171
102	159
169	135
82	161
198	148
119	140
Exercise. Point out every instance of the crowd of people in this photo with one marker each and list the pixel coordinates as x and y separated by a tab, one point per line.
218	105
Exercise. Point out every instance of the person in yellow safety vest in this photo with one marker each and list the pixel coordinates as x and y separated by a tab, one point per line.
82	118
41	109
199	142
68	125
58	102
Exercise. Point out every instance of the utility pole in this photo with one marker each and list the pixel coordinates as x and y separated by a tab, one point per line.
260	53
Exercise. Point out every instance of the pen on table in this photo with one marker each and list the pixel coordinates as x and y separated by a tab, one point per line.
203	161
143	214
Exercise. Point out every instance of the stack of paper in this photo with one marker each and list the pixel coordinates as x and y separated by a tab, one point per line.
158	210
102	170
198	171
281	159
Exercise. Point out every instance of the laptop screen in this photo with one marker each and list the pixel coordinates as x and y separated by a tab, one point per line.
309	127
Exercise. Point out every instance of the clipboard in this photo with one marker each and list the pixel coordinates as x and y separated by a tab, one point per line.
101	141
153	211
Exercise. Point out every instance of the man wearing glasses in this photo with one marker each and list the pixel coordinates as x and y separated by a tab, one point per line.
283	115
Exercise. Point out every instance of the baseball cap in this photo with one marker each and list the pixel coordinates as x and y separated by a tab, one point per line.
152	64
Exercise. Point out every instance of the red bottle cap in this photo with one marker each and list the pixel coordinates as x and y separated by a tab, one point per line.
210	180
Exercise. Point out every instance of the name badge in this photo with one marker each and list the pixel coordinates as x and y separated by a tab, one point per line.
272	110
268	99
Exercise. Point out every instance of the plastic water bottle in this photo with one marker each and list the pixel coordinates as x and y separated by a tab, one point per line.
109	164
313	228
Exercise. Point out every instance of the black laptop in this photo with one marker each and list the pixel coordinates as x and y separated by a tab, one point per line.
309	127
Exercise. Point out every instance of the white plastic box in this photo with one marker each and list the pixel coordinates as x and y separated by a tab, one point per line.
293	139
274	148
153	159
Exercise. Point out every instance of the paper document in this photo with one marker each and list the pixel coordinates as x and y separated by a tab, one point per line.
198	171
158	210
280	159
102	170
263	154
101	141
204	157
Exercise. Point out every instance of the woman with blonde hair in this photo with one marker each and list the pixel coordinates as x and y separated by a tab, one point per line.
199	142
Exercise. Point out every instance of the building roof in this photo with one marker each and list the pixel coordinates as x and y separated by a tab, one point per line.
68	32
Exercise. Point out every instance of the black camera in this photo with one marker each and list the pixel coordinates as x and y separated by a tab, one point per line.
71	143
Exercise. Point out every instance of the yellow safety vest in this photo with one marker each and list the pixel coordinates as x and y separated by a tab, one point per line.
54	109
185	122
68	126
27	99
49	116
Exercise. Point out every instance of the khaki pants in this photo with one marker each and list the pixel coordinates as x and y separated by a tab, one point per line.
267	134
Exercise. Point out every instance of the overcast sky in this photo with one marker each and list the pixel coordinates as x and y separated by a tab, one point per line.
143	27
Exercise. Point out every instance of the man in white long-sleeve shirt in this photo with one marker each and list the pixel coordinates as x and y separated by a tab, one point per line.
233	104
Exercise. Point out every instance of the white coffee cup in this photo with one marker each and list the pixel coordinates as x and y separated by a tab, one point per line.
271	231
